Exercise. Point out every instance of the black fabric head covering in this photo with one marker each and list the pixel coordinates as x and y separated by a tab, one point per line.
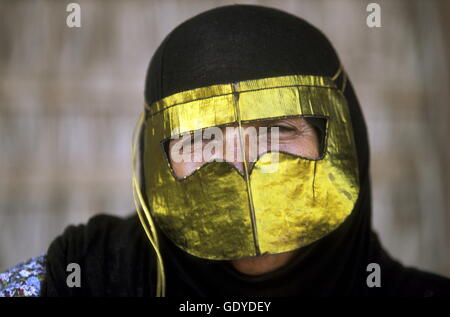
235	43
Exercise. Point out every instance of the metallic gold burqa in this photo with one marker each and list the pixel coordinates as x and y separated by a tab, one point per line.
220	213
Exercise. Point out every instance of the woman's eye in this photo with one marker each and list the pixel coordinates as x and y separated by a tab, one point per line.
187	140
193	141
282	128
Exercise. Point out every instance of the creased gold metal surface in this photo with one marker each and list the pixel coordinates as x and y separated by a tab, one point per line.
207	213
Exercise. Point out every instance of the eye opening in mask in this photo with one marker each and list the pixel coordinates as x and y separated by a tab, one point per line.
318	123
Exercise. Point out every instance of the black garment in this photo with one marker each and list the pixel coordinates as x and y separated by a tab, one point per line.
116	260
227	44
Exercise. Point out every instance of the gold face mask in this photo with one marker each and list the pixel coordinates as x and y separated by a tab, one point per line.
218	213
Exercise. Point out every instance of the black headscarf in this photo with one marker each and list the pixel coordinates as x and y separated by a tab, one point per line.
227	44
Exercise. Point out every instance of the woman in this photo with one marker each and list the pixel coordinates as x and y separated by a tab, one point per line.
290	219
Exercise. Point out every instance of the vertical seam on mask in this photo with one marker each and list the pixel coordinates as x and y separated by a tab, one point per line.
314	181
247	181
